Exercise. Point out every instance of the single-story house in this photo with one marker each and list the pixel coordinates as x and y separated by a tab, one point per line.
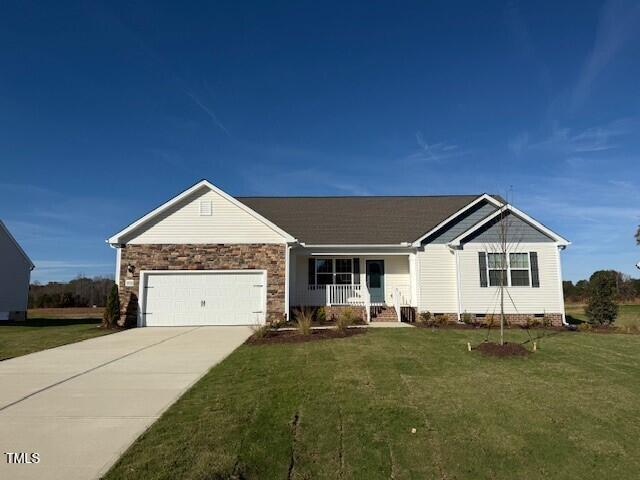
15	273
207	258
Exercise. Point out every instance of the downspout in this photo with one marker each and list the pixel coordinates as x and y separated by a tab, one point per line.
458	291
561	290
287	256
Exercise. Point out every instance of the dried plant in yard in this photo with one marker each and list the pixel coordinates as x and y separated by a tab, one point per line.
490	321
304	319
260	331
345	319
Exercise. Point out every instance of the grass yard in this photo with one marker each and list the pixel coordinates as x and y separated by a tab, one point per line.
628	315
44	331
345	409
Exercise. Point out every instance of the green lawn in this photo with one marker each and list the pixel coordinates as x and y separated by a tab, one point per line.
628	315
20	338
345	409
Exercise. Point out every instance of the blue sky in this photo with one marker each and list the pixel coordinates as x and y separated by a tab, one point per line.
109	109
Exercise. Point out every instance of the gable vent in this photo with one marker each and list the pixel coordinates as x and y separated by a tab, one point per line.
206	208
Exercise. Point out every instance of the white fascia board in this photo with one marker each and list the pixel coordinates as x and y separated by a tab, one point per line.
481	198
115	239
560	241
15	242
371	245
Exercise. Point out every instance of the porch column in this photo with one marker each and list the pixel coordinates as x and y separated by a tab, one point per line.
413	279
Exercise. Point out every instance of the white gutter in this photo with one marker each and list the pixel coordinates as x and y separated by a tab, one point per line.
287	256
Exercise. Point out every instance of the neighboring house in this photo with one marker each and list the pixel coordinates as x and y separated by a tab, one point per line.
205	257
15	272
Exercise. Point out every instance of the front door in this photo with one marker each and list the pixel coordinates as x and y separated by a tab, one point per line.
375	280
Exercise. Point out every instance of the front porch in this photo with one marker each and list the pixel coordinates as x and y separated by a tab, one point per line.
379	283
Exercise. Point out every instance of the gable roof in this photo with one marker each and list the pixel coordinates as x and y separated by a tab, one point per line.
518	213
362	220
117	238
4	228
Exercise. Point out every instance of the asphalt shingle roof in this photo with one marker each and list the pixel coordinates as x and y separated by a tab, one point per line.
357	220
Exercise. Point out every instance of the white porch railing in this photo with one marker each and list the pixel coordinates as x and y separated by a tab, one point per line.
399	301
345	295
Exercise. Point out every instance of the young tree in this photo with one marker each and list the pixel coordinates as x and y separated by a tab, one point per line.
601	306
112	310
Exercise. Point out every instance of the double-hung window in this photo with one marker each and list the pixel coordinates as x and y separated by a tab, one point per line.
497	266
324	271
519	269
511	271
333	271
344	271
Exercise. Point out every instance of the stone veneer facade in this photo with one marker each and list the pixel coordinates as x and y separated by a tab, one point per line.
258	256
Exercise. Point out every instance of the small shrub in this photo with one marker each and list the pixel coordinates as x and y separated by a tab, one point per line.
601	307
425	317
321	315
345	319
304	319
584	327
112	309
547	322
467	318
260	331
490	321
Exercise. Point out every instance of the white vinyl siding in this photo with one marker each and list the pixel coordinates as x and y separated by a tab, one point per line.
396	275
15	271
527	300
436	268
184	223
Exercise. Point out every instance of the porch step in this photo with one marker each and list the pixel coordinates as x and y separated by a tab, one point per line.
383	314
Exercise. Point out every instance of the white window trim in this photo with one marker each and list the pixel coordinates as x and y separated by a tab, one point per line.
508	269
333	273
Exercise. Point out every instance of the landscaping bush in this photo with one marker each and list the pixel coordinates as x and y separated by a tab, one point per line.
425	317
346	318
490	321
304	319
441	320
321	315
584	327
111	314
260	331
601	307
467	318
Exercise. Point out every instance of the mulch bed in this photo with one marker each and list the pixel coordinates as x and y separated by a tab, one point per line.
292	336
507	350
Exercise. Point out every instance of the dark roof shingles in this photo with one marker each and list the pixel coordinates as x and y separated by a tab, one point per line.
357	220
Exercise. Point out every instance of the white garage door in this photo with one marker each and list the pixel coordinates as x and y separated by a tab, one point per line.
204	298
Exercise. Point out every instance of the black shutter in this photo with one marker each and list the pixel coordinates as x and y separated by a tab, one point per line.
482	262
535	276
312	271
356	271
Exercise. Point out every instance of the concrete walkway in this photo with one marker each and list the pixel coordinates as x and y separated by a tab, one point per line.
81	405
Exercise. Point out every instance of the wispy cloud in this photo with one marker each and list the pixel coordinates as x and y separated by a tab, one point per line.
433	152
209	112
568	141
63	264
618	23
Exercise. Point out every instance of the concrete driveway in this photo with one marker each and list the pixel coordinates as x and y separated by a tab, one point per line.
81	405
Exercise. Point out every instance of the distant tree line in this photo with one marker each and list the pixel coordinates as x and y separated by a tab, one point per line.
79	292
626	288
